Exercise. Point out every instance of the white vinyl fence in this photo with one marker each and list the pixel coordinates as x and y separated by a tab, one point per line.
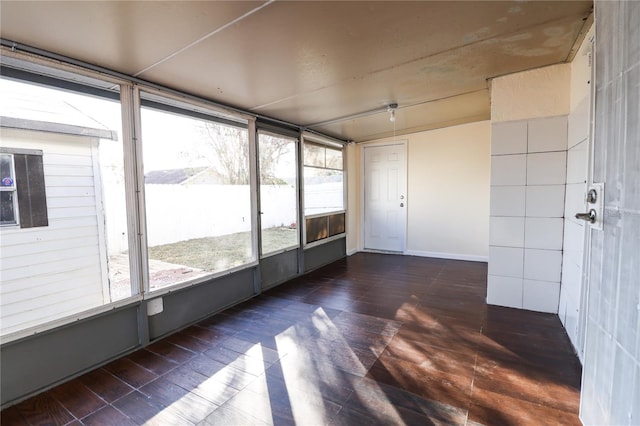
182	212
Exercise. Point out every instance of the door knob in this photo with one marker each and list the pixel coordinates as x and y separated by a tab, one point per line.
401	204
588	217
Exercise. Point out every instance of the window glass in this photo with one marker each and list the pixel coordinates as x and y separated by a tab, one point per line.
6	171
7	208
334	159
323	191
278	192
7	191
320	227
67	250
197	197
314	155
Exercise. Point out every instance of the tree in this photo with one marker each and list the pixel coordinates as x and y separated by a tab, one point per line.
228	151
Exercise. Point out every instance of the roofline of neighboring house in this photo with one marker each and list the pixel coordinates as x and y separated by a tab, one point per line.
67	129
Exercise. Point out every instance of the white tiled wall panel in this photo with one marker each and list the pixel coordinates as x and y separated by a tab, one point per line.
509	138
541	296
508	169
571	280
545	201
547	134
504	291
570	321
543	233
507	201
577	163
506	231
547	168
528	179
578	126
506	261
573	244
542	265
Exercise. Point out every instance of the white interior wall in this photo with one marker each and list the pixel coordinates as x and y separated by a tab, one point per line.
448	192
353	197
528	175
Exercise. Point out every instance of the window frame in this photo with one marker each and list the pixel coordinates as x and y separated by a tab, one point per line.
316	140
22	221
13	188
296	144
151	99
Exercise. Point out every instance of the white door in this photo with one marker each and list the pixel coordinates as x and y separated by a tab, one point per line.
385	201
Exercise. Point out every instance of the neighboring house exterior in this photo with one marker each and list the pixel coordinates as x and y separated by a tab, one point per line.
52	238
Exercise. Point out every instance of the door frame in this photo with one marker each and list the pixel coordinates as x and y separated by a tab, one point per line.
296	141
586	254
362	185
263	278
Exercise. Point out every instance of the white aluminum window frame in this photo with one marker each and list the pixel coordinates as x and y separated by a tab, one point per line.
296	142
191	109
313	139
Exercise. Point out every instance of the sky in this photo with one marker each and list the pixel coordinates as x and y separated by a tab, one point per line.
169	141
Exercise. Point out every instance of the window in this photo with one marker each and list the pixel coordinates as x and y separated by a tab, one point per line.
197	195
323	191
277	174
24	199
8	199
63	240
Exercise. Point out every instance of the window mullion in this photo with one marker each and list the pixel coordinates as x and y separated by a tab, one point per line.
135	206
253	185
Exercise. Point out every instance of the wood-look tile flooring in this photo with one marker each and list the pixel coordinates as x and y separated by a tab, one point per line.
371	339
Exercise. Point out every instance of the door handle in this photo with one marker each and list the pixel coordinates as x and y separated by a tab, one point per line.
401	204
588	217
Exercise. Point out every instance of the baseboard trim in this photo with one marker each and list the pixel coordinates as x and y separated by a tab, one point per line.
454	256
435	254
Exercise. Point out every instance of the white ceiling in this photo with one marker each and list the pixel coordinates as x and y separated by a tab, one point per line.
310	62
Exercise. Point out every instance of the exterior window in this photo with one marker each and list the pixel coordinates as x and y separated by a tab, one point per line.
278	192
323	192
197	196
8	205
63	234
23	193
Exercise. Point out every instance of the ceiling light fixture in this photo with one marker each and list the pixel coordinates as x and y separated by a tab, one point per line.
392	117
391	109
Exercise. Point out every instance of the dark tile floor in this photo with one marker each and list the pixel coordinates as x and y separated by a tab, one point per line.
372	339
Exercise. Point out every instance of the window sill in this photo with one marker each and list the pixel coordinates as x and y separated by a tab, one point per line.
196	281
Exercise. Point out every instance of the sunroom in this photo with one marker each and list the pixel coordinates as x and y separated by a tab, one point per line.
165	163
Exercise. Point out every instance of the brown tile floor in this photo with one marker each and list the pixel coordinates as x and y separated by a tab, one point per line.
372	339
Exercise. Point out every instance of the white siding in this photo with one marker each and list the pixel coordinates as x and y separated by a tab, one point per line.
47	273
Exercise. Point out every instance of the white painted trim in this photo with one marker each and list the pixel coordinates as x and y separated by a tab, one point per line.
352	252
364	145
324	240
454	256
325	140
